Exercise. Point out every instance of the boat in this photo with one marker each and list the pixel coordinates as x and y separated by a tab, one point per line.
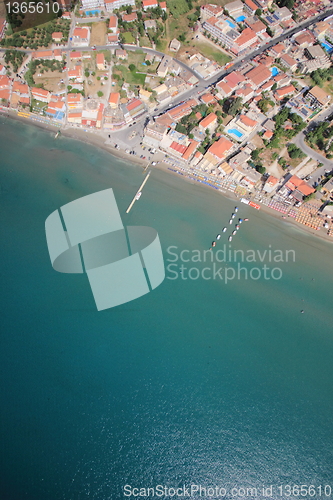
240	221
236	209
213	243
218	236
224	230
137	196
237	226
230	221
234	232
246	220
57	134
233	216
230	238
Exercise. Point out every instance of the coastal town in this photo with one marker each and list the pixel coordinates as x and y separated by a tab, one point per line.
234	95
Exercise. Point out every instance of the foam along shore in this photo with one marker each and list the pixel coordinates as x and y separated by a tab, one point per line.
97	139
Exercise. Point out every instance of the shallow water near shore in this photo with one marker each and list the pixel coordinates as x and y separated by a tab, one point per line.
198	382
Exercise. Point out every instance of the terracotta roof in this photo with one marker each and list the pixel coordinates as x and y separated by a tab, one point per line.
100	59
129	17
74	98
319	94
81	32
4	94
190	149
40	92
163	5
234	78
251	4
259	74
25	100
4	81
75	55
133	104
258	26
246	35
57	34
278	48
207	98
178	147
248	122
288	60
113	23
271	179
208	120
114	98
220	147
225	87
149	3
20	88
288	89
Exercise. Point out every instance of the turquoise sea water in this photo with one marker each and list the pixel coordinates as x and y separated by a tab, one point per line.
198	382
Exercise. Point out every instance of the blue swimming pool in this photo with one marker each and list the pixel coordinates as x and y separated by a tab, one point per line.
274	71
240	19
93	12
232	25
235	132
327	47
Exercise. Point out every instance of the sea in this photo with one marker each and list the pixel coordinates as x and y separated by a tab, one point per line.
213	385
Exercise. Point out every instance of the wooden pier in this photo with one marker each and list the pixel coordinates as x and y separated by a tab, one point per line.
138	193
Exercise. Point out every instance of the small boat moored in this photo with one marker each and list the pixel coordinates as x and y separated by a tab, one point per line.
237	226
236	209
246	220
230	221
234	232
240	221
224	230
233	216
218	236
213	243
230	238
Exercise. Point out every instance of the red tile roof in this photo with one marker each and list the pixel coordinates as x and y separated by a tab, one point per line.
178	147
208	120
220	147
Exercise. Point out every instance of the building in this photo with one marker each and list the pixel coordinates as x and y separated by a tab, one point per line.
121	54
81	36
129	18
111	5
210	10
150	24
250	7
259	75
304	39
56	109
282	92
271	184
100	61
149	4
134	108
76	74
246	39
288	62
74	101
318	97
114	99
235	9
74	117
163	67
113	23
57	36
175	45
41	94
221	148
209	122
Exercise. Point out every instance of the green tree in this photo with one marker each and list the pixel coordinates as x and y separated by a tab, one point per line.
100	93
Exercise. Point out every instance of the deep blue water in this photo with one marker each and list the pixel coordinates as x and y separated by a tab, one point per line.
197	382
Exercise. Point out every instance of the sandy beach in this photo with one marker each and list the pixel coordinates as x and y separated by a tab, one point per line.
98	140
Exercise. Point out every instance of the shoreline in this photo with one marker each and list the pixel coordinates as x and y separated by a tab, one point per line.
99	141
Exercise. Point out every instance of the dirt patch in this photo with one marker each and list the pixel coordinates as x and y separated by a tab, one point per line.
50	80
96	85
98	34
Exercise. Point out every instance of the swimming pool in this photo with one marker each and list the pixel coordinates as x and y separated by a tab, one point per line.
239	19
232	25
93	12
235	132
327	47
274	71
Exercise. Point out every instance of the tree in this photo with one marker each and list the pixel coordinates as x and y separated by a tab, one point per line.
100	93
132	67
234	106
260	169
